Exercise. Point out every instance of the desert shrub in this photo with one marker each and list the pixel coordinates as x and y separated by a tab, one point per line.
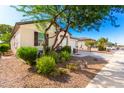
72	66
100	48
54	55
62	71
4	48
29	54
65	56
55	73
58	72
45	64
66	48
47	50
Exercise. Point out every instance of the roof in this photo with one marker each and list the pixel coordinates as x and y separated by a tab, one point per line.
83	38
17	25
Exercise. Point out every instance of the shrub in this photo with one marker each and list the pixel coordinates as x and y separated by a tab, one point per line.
4	48
29	54
100	48
45	64
47	50
65	55
62	71
58	72
55	73
72	66
66	48
54	55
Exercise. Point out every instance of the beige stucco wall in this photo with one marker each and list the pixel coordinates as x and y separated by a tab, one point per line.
81	45
15	41
25	37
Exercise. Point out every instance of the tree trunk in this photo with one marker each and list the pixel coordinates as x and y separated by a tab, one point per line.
60	40
68	24
56	39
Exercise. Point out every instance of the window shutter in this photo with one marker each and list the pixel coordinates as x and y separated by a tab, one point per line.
47	36
35	38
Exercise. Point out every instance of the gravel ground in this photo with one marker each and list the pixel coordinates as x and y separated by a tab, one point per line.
15	73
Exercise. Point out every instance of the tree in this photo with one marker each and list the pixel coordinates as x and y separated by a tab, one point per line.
102	43
5	33
77	17
89	44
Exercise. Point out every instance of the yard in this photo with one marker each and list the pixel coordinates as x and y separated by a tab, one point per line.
14	73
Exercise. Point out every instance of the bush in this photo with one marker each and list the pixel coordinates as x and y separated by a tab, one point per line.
47	50
58	72
54	55
72	66
66	48
29	54
62	71
100	48
65	56
4	48
45	64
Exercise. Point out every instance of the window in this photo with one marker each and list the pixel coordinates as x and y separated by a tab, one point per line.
38	38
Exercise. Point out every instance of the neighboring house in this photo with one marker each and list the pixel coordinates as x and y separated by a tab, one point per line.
27	34
80	42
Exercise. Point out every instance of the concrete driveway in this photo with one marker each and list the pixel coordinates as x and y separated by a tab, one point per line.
112	75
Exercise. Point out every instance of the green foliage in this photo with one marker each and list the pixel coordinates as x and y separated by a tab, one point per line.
65	56
102	43
4	48
54	55
80	16
55	73
45	64
47	50
59	72
5	33
66	48
90	43
62	71
72	66
29	54
101	48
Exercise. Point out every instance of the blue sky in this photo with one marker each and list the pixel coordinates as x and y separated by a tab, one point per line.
10	16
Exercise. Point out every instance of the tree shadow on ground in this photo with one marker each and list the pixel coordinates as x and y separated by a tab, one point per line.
32	69
110	79
89	74
63	78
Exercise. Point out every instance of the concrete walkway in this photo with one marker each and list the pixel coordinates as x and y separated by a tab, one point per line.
112	75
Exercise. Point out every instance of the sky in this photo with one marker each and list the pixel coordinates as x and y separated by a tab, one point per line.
9	15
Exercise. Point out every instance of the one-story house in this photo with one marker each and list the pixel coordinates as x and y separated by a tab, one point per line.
27	34
80	42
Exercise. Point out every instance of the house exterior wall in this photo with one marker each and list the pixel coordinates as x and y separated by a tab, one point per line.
15	41
81	45
25	37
